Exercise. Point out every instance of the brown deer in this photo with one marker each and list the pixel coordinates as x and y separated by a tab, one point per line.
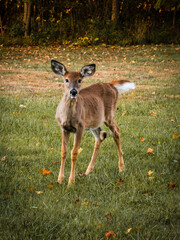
87	108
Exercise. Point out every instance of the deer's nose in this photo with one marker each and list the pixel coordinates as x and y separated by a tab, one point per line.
73	92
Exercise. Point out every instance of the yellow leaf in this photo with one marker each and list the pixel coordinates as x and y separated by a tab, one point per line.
128	230
175	136
150	71
80	150
150	172
150	178
39	192
31	189
37	140
84	203
50	185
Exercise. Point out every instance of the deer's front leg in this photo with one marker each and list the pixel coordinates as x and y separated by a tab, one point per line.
65	139
74	153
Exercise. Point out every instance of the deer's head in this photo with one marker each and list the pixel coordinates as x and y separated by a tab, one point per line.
72	80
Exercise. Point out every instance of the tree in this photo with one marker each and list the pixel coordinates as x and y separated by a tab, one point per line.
115	12
27	17
171	5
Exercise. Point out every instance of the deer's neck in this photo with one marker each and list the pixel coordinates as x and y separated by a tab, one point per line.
69	103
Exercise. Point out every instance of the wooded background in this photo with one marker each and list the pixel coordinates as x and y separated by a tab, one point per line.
86	22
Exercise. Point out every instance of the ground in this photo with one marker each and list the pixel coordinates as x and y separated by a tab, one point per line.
140	203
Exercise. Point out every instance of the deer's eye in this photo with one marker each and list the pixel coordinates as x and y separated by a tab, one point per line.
66	80
79	81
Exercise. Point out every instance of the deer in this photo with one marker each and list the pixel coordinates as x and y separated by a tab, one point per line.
87	109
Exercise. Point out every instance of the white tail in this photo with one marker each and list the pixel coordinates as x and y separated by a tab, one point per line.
123	86
84	109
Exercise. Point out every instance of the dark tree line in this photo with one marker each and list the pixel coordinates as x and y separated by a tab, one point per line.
89	21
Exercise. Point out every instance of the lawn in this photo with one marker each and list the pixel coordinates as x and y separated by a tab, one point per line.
142	203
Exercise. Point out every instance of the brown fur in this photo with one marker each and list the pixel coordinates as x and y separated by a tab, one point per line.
93	106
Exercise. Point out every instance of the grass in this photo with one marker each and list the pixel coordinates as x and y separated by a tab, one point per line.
132	204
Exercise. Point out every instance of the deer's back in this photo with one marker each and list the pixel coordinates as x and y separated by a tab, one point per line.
102	94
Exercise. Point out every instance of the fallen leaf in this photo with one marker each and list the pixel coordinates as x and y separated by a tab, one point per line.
56	162
172	185
150	71
128	230
175	136
46	124
150	172
151	178
120	182
50	185
137	229
110	234
22	106
77	200
31	189
37	140
80	150
39	192
85	203
3	158
152	114
172	120
51	148
150	150
45	172
142	139
99	226
109	216
81	174
26	223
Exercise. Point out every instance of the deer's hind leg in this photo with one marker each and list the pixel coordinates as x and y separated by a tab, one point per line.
99	138
116	135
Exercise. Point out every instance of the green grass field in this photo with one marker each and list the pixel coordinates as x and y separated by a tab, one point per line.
142	203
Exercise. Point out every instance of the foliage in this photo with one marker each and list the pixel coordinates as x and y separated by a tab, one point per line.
60	22
140	203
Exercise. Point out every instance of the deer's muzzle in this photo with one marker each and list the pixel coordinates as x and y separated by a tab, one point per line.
73	93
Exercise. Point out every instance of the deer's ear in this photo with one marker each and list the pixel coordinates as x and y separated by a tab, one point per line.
58	68
88	70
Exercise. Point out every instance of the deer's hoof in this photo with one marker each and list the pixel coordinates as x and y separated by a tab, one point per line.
121	168
60	180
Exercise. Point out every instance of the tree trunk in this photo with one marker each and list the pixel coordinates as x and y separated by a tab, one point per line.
1	27
115	11
27	17
174	16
